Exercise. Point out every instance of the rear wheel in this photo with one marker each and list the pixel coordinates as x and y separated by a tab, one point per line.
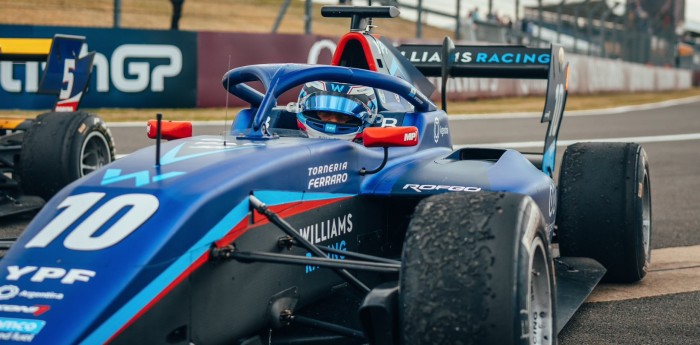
60	148
476	269
605	208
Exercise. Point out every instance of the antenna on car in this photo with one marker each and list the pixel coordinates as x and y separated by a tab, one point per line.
369	25
360	16
159	120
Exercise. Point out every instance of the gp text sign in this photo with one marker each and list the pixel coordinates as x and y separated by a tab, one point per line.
132	69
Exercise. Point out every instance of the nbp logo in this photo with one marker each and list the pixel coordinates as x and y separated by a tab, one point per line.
124	55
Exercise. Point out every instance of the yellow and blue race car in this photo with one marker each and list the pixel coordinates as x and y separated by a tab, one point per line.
41	155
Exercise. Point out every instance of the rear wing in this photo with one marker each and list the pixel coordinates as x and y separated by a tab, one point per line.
517	62
24	49
68	65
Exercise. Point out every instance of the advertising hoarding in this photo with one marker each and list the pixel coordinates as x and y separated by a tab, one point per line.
132	68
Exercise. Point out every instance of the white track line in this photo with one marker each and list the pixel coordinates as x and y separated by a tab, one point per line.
461	117
648	139
522	144
593	112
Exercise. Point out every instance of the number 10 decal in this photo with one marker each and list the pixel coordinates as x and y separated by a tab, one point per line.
141	207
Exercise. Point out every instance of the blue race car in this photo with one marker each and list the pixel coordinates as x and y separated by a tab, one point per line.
277	233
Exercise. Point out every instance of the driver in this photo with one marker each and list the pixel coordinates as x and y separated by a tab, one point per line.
336	110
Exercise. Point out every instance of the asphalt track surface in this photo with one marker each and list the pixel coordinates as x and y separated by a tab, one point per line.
662	309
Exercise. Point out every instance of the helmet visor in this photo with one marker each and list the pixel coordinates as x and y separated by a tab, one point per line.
353	109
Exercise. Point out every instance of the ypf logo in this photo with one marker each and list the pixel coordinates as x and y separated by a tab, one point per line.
139	72
39	274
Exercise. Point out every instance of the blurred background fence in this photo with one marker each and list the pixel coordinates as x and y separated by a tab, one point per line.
651	32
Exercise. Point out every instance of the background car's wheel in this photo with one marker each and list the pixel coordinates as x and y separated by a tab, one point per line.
605	207
476	269
59	148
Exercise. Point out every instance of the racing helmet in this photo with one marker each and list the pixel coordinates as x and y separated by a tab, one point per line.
335	110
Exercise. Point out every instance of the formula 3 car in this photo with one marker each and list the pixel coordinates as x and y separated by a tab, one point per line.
264	236
41	155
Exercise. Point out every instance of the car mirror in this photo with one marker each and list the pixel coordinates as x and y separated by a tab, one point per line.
169	130
390	136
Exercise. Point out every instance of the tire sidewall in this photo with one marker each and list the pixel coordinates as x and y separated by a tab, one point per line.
636	193
534	236
83	130
51	153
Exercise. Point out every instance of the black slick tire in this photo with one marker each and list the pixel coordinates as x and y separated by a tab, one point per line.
60	148
476	269
605	208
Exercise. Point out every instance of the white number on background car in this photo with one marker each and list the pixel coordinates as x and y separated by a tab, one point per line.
141	207
68	69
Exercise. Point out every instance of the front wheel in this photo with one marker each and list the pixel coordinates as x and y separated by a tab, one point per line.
60	148
477	269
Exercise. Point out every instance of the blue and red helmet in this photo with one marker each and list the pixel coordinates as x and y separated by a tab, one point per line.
335	110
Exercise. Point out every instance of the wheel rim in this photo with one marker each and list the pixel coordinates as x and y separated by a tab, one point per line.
94	154
541	322
646	218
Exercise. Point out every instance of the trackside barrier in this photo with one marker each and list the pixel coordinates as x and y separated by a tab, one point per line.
131	68
179	69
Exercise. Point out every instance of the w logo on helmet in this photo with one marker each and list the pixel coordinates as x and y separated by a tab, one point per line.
337	88
336	110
